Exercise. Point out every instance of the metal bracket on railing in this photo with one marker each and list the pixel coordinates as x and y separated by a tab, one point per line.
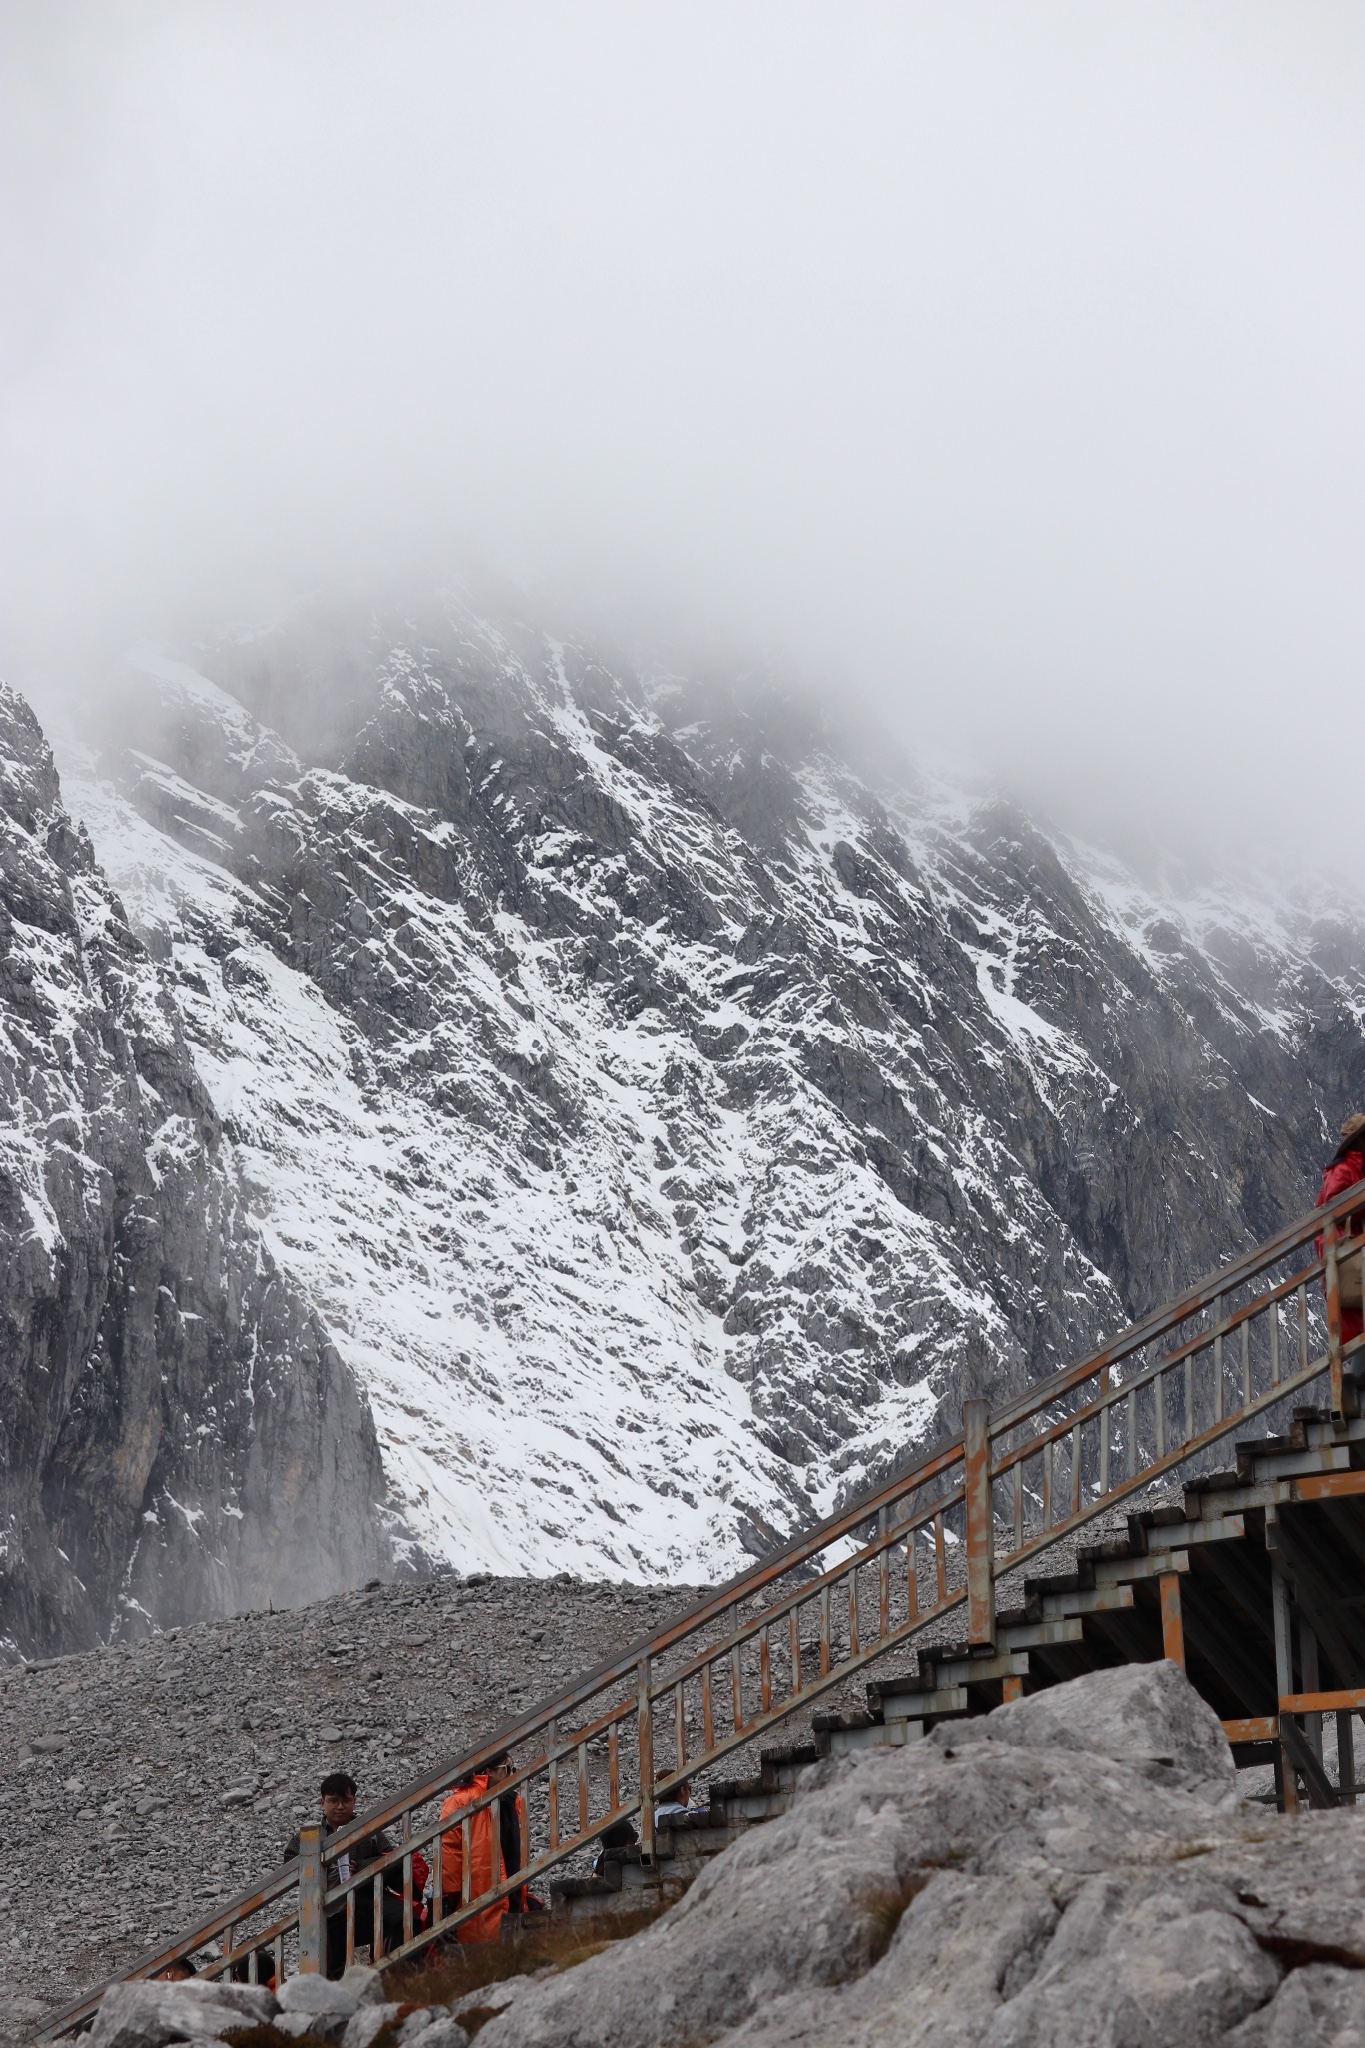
311	1887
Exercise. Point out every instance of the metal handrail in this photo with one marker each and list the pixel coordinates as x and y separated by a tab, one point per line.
708	1663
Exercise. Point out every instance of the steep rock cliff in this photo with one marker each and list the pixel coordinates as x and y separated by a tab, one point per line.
178	1434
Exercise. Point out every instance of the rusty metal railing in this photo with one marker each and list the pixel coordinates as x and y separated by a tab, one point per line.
816	1612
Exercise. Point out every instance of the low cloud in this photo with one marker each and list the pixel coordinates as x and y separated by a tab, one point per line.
993	368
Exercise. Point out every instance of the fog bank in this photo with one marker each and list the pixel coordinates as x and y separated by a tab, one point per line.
994	368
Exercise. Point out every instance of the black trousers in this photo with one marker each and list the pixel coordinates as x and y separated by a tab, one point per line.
364	1928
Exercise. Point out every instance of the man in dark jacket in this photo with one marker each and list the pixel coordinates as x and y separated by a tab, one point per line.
1344	1169
338	1811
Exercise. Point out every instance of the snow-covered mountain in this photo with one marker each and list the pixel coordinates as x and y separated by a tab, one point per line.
661	1118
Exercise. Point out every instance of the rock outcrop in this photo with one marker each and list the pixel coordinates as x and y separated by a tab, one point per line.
178	1433
1074	1869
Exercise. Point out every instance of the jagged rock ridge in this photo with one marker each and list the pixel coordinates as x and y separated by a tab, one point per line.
667	1119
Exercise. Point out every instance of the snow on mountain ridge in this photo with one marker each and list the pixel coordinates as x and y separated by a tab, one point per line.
667	1124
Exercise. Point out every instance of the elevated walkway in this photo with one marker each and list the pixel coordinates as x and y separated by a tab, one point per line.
1250	1581
1254	1584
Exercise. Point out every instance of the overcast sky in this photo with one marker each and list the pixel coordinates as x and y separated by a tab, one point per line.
1002	364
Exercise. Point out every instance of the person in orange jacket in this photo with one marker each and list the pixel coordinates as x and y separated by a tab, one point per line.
487	1925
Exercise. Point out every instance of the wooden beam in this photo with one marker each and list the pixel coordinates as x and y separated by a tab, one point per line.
1254	1728
1312	1486
976	1454
1346	1758
1172	1623
1287	1782
1351	1701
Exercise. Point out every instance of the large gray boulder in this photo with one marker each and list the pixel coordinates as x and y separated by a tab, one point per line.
1140	1713
143	2015
1075	1869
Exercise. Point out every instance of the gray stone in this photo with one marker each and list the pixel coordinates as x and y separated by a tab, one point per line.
1321	2005
446	2032
1084	1877
491	1997
365	1985
143	2015
318	1994
417	2022
365	2023
1144	1713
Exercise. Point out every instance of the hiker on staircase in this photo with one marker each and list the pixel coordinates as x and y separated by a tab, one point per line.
338	1811
486	1925
1345	1168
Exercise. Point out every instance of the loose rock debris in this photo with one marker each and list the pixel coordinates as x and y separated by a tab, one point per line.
148	1781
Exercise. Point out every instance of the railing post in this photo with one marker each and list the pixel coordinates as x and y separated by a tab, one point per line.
311	1886
976	1431
1331	1282
1172	1620
646	1764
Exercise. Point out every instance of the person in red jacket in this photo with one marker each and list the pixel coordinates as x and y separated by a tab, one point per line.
1344	1169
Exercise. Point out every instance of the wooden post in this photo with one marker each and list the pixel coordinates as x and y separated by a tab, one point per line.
1013	1689
1284	1678
976	1433
1331	1283
311	1885
646	1711
1172	1620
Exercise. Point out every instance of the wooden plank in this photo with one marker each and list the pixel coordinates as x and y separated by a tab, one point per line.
977	1670
1327	1486
979	1524
1351	1701
1253	1728
905	1706
1217	1529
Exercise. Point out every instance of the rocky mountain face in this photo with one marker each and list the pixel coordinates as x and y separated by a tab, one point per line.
652	1116
179	1432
